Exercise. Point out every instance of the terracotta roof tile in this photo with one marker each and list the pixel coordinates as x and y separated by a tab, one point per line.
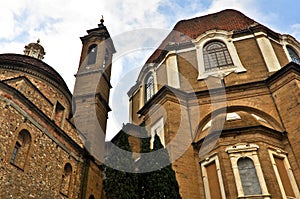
229	20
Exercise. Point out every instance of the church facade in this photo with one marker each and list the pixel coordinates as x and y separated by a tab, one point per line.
221	92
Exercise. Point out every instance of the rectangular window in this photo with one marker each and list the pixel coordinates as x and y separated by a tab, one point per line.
284	174
212	178
213	181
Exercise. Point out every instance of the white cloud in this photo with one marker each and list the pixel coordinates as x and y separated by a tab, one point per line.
295	30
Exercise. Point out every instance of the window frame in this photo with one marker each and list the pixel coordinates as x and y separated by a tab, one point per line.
203	164
241	150
152	92
158	125
59	114
92	57
244	178
226	38
66	175
290	49
220	52
290	41
21	149
282	154
15	152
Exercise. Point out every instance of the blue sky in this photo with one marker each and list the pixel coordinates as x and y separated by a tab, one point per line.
59	24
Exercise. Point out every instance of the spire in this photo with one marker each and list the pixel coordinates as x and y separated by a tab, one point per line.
102	19
35	50
101	25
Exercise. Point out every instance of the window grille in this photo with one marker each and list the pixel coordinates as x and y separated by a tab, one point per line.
216	55
295	58
149	87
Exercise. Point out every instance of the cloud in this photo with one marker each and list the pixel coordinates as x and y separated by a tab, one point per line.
295	30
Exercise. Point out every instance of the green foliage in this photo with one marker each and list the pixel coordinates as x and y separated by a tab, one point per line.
157	184
119	184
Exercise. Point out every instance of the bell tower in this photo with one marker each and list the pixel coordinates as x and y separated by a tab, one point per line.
92	87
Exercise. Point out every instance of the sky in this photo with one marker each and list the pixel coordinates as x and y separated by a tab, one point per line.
59	24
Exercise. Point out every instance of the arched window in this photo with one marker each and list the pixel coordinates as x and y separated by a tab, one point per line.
21	149
92	54
215	55
248	177
294	56
149	92
58	114
66	179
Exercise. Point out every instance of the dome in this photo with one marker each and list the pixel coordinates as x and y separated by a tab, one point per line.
34	67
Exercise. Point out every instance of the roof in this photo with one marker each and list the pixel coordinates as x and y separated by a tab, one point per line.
27	63
224	20
228	20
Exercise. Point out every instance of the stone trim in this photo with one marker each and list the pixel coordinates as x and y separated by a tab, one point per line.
159	124
205	162
238	151
267	51
143	89
172	71
226	38
280	153
288	40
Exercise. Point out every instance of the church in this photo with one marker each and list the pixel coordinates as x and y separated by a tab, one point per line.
221	92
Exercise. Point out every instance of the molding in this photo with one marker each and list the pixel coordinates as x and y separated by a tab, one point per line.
267	51
158	124
173	78
241	150
30	84
290	68
241	147
97	71
207	161
37	68
287	40
282	154
226	38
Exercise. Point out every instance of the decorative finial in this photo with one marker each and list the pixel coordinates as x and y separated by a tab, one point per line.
38	41
102	19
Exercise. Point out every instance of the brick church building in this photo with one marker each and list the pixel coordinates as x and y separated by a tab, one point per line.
221	92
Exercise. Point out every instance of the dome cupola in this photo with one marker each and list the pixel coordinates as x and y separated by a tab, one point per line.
35	50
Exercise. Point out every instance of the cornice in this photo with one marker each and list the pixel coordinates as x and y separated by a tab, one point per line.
37	68
290	68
